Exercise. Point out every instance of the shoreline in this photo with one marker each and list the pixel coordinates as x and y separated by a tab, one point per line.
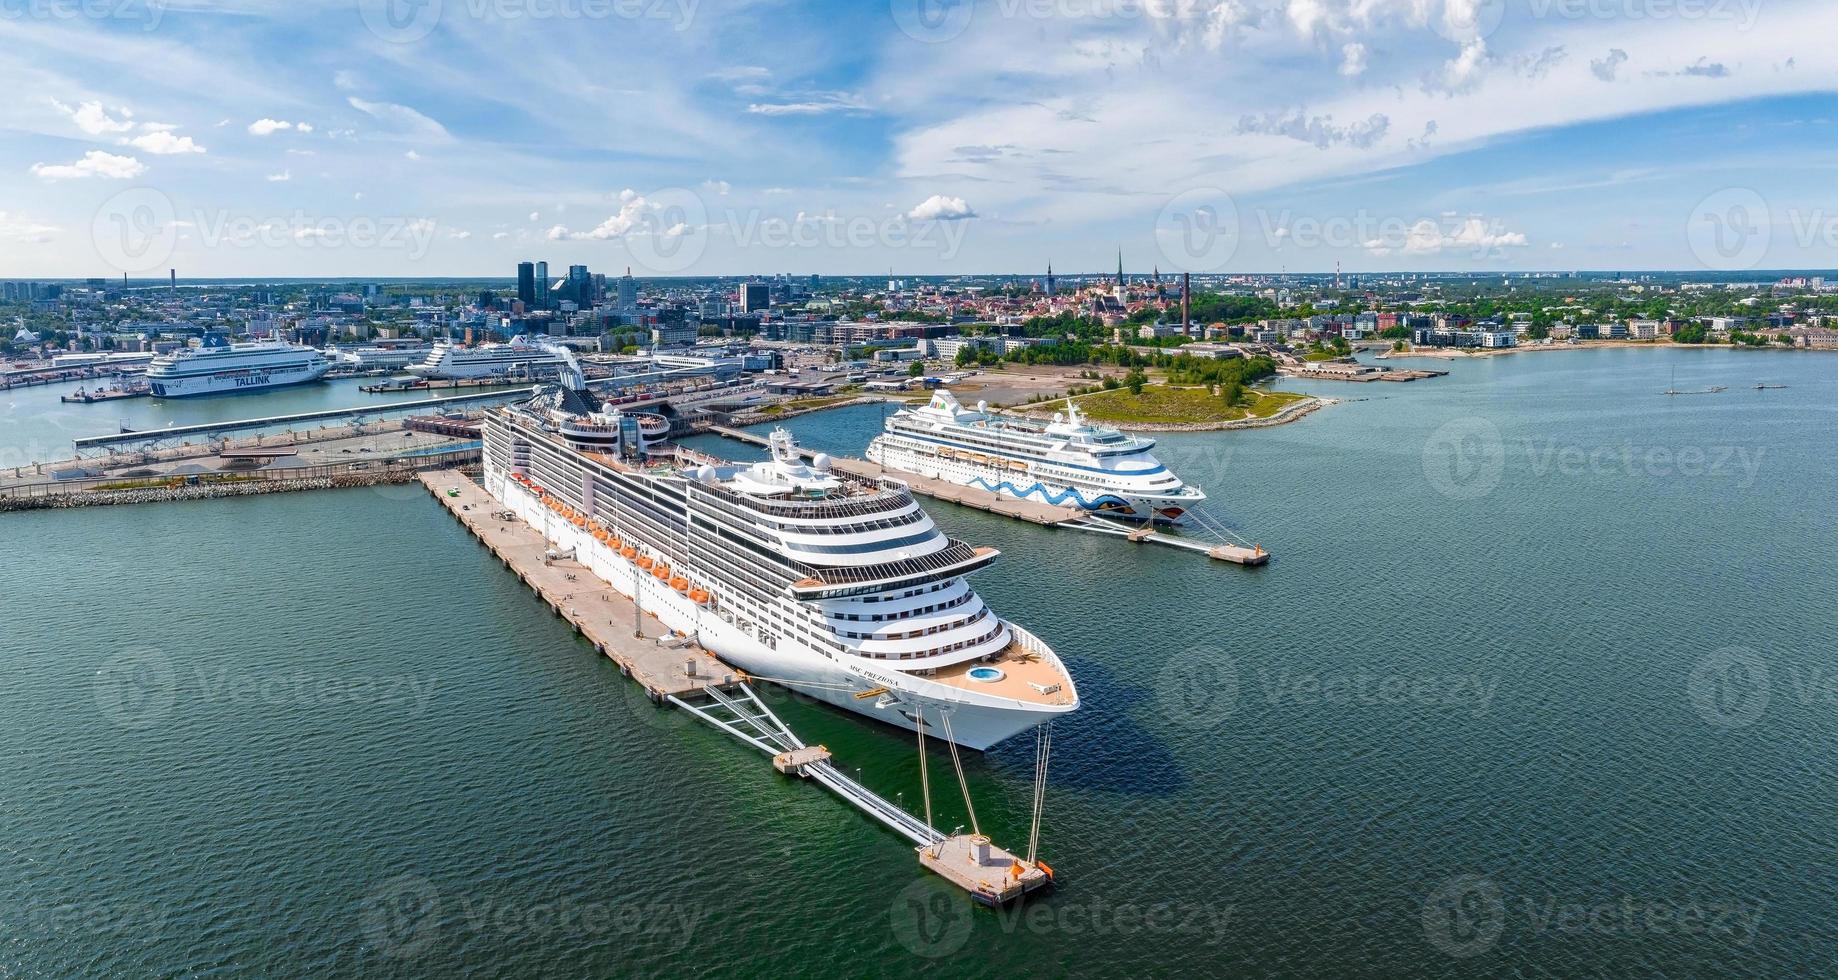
1463	353
1291	412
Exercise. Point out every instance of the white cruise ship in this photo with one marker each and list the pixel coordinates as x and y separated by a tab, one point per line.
376	358
217	366
839	588
1068	461
448	360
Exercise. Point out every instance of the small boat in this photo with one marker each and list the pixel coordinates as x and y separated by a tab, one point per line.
1768	387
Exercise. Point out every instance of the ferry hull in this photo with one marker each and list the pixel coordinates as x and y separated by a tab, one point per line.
1024	486
790	666
263	380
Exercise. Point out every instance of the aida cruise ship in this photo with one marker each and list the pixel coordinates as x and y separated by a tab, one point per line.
1068	461
836	587
217	366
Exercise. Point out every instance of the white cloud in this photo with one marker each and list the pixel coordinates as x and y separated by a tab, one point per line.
941	208
633	217
17	228
304	127
95	163
719	188
162	142
459	234
500	234
268	127
1353	60
1319	130
535	215
95	120
282	176
1473	234
404	120
412	155
816	103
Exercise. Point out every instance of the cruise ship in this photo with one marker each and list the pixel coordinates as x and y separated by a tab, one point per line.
836	587
1068	461
216	366
448	361
376	358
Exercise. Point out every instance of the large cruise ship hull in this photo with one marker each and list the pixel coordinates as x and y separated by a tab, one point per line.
236	381
1021	484
791	666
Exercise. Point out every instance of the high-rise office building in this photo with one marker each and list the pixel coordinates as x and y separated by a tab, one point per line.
754	296
628	290
526	282
541	297
580	286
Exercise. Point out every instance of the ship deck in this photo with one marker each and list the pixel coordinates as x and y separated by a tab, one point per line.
1021	670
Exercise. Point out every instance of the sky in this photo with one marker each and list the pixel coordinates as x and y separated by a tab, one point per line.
403	138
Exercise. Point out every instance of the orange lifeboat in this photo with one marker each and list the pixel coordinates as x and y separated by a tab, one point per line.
646	562
661	572
698	597
628	551
680	584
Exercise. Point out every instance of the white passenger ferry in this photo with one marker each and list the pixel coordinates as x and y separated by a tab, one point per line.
217	366
1066	462
448	360
836	587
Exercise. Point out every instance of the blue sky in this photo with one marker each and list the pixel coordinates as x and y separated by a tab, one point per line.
456	137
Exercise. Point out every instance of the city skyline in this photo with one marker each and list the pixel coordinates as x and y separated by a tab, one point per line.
459	138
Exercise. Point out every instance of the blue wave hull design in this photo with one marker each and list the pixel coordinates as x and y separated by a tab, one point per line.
1040	490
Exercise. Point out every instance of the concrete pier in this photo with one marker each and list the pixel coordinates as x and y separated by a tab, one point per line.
595	609
990	874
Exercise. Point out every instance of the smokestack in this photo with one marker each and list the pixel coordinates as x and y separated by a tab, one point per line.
173	279
1186	287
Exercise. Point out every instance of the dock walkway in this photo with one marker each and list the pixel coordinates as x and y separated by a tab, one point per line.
595	609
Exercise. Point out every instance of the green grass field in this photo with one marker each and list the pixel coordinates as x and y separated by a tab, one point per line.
1165	405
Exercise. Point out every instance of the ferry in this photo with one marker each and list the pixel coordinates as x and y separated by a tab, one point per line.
1068	461
376	358
839	588
217	366
449	361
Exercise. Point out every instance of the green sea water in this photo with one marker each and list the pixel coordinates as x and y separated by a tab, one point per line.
1543	680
